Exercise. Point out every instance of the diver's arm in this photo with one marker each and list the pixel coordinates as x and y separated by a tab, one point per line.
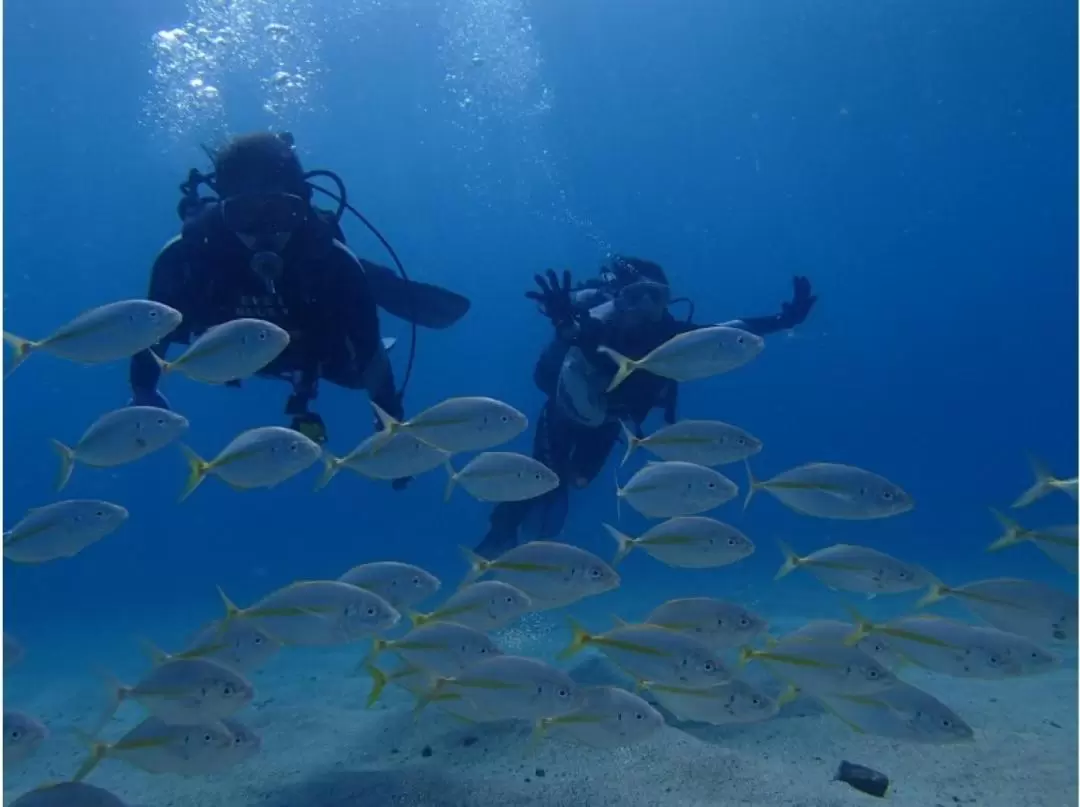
791	313
761	326
359	317
168	279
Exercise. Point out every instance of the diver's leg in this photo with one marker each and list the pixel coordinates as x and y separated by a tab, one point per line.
507	517
591	450
547	515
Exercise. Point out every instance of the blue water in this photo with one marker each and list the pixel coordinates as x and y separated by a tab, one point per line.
915	160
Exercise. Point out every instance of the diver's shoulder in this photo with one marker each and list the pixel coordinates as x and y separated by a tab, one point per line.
175	252
341	254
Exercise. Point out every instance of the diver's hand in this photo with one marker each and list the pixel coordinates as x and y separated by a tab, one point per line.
151	397
795	312
311	425
554	300
401	484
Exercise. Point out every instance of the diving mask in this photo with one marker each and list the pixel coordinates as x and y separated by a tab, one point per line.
643	300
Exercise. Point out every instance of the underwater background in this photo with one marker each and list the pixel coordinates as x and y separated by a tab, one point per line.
916	160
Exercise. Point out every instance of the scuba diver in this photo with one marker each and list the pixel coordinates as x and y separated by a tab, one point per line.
260	248
625	308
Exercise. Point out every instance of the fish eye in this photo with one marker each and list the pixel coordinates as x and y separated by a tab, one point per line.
227	690
416	581
731	542
887	495
371	611
741	441
872	674
946	723
709	666
262	336
755	700
994	660
505	418
257	640
744	622
740	339
294	447
153	314
564	693
509	600
98	513
595	573
711	485
639	716
16	734
208	737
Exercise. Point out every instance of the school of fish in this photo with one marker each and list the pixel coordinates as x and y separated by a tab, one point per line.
686	656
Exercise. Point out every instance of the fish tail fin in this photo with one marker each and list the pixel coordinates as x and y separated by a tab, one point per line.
22	347
67	463
152	651
1045	482
618	496
98	752
538	734
625	543
451	479
937	593
625	366
1014	533
580	638
389	423
197	468
477	566
416	619
232	610
164	366
331	466
791	561
753	484
790	693
377	646
379	680
632	442
863	627
746	655
432	694
116	691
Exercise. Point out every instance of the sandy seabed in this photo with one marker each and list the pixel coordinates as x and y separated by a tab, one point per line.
322	748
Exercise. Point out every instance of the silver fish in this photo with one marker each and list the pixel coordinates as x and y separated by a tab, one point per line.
830	490
691	355
61	530
666	489
106	333
400	584
230	351
119	437
690	542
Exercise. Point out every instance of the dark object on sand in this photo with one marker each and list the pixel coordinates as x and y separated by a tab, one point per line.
863	779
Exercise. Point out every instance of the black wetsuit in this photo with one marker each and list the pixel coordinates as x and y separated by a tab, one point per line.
577	452
323	299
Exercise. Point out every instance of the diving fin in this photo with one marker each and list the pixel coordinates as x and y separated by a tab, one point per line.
422	304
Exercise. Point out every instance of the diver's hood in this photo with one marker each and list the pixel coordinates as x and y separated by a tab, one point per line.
580	394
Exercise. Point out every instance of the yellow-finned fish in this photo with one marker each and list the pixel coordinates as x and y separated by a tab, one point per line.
460	424
118	437
258	458
106	333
